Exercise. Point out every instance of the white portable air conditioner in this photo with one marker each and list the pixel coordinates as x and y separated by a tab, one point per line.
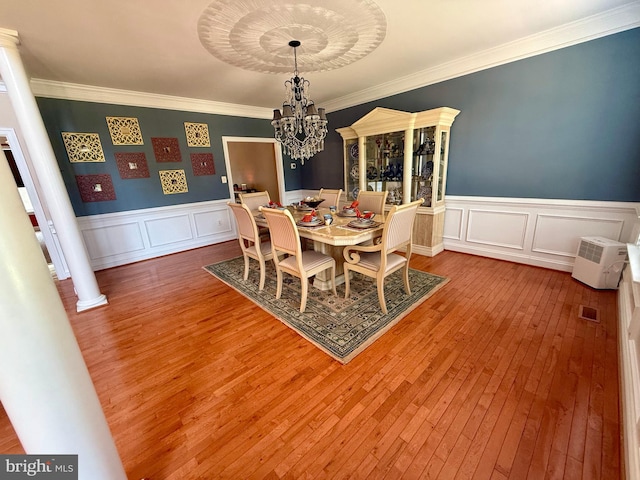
599	262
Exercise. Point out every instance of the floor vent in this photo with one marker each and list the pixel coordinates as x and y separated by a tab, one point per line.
588	313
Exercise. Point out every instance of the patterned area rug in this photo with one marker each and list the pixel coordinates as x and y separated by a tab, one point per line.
340	327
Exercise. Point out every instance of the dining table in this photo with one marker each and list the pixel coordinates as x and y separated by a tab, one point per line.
331	239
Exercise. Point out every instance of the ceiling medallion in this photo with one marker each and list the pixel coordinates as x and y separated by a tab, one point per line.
254	34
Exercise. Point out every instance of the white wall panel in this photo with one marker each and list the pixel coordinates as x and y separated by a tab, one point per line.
113	240
537	232
497	228
453	218
163	231
210	223
560	234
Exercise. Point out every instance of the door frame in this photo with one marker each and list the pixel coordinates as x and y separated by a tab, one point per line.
45	224
277	151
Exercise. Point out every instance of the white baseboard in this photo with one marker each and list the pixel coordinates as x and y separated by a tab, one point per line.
543	233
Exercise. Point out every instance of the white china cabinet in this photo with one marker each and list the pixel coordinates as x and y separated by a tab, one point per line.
406	154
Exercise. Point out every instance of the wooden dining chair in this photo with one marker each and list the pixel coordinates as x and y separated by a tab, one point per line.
255	200
331	197
372	201
250	241
302	264
381	260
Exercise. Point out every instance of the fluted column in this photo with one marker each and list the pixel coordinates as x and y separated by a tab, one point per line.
48	173
45	386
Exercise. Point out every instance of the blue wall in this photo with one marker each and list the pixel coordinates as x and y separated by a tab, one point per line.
131	194
562	125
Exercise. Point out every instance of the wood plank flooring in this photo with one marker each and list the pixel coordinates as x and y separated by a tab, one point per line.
494	377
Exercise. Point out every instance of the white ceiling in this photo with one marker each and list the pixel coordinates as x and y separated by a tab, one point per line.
153	46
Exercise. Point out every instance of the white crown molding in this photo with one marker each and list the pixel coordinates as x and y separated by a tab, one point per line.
597	26
590	28
88	93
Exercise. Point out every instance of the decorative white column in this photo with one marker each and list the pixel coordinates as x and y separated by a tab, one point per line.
45	386
46	168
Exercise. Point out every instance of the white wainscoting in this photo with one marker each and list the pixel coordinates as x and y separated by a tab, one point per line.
629	338
537	232
118	238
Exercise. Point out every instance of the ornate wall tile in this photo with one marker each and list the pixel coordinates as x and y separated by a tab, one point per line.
197	134
166	149
132	165
125	131
173	181
202	164
96	188
83	147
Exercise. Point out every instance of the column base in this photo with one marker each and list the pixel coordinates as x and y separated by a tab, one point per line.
82	305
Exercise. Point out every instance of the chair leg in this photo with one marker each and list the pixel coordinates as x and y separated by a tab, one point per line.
333	279
279	281
406	279
380	285
262	274
246	267
347	286
305	291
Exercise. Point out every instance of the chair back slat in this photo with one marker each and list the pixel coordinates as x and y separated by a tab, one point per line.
331	197
254	200
398	229
373	201
246	224
283	231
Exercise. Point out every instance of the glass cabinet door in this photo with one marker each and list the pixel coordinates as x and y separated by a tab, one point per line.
352	172
422	169
442	167
385	164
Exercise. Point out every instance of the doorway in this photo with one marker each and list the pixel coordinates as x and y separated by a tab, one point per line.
255	164
43	227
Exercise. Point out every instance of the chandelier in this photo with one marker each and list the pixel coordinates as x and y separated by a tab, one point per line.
301	127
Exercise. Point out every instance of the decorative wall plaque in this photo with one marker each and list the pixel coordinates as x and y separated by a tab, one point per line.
132	165
96	188
173	181
197	134
124	131
202	164
83	147
166	149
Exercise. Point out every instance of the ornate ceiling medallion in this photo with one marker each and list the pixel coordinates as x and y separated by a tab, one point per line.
255	34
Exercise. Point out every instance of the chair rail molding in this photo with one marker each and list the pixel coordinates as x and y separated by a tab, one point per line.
539	232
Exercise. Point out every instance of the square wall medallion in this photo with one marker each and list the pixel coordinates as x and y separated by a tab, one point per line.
173	181
202	164
83	147
197	134
132	165
124	131
96	188
166	149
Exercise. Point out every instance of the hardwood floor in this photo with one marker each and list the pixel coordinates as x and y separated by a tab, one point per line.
494	377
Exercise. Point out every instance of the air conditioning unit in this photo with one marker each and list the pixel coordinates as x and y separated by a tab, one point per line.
599	262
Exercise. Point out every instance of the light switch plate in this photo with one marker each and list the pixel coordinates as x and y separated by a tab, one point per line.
223	178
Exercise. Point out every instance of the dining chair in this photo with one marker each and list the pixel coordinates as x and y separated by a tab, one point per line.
255	200
331	197
250	241
373	201
285	239
381	260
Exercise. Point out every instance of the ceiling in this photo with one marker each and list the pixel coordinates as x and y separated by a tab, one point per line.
355	50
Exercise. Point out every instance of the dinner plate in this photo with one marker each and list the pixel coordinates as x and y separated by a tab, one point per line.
303	208
362	223
315	223
346	214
